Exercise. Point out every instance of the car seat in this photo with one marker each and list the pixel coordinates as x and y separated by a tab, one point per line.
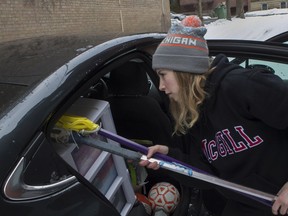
137	115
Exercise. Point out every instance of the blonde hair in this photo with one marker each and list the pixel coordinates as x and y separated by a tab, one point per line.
191	95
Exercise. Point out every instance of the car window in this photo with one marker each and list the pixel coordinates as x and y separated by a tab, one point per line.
279	69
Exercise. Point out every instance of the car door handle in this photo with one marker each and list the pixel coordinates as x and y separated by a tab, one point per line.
16	189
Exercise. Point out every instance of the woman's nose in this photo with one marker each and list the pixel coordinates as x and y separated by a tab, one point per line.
161	86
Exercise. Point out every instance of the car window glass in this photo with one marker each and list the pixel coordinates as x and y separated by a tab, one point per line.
279	69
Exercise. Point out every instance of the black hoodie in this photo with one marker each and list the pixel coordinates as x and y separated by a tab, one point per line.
242	130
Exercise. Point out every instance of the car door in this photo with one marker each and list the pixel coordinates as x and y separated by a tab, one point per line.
103	171
35	180
40	184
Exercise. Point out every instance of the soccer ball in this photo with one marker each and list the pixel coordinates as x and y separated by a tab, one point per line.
164	196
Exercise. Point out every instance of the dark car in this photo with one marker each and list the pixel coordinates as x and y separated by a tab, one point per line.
44	171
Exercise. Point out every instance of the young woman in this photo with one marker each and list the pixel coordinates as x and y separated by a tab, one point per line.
236	119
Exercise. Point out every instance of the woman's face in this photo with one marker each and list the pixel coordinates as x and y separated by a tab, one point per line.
168	83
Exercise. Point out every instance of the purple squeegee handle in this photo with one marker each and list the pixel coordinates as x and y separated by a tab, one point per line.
144	150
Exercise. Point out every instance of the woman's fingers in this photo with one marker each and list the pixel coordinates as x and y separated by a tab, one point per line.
151	151
280	205
150	165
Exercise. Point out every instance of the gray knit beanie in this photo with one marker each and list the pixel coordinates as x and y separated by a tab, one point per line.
184	48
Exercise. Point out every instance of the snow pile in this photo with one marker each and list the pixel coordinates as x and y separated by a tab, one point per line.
257	25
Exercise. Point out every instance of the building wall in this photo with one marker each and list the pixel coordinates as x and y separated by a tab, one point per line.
190	6
21	19
257	4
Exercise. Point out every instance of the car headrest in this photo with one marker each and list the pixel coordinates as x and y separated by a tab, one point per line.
129	79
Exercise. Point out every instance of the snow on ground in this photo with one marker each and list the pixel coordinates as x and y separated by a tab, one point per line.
257	25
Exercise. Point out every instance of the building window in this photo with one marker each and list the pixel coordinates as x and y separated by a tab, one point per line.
264	6
283	4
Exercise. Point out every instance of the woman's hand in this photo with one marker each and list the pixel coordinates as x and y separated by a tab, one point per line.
151	151
280	205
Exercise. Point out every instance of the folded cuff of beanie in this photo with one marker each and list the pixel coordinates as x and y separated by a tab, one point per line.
180	63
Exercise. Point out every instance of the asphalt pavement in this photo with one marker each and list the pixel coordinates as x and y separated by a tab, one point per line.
33	57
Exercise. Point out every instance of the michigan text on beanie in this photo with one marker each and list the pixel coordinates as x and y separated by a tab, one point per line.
184	48
187	42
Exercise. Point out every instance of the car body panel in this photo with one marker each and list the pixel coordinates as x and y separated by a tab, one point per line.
27	115
40	102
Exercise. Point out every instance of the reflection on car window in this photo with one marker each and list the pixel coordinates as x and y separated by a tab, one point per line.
280	69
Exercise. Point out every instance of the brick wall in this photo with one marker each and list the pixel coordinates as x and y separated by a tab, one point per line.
257	4
21	19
